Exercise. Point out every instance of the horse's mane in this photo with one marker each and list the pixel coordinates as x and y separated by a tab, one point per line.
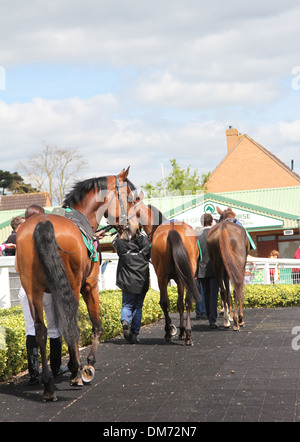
159	218
81	188
130	185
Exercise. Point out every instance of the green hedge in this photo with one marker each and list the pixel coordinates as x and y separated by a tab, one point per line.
13	356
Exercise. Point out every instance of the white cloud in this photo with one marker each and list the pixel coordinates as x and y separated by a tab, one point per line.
166	91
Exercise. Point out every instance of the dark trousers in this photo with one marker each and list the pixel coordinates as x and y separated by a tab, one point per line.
211	293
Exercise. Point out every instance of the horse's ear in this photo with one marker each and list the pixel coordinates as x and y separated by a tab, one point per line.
219	210
124	174
140	195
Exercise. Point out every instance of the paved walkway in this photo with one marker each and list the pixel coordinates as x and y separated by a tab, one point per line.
251	375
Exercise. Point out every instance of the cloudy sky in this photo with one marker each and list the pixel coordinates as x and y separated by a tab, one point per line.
138	82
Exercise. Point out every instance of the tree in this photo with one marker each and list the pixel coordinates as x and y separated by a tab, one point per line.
179	181
53	170
14	183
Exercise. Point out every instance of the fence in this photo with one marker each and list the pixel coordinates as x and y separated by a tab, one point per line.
272	271
10	282
258	271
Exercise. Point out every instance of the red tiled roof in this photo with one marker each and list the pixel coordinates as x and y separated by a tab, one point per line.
22	201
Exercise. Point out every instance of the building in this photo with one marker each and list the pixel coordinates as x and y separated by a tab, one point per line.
248	166
14	205
263	192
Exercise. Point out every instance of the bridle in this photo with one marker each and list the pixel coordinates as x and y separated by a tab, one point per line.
123	222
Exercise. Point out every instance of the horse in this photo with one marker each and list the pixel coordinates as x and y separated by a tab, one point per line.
52	257
228	246
174	255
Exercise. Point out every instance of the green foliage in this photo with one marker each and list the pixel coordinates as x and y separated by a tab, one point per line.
263	296
179	182
13	356
14	182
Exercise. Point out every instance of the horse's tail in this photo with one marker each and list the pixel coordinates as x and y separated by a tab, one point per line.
64	301
182	265
229	258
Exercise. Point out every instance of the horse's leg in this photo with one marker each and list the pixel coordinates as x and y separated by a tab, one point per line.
180	307
75	365
41	339
91	297
225	309
239	299
188	327
165	305
227	303
236	326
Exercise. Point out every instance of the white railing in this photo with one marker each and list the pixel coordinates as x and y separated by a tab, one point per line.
272	271
10	281
258	271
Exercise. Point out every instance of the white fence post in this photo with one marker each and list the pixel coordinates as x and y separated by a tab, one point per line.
4	288
258	270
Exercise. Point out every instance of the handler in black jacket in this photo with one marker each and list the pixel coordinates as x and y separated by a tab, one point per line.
133	279
206	275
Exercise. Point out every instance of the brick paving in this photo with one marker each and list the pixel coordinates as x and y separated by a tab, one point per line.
251	375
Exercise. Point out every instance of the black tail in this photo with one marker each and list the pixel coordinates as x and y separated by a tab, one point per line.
182	265
64	301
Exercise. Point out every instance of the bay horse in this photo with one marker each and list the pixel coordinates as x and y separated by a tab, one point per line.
52	257
228	246
174	255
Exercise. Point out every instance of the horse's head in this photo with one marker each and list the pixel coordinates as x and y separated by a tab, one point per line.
120	210
108	196
227	213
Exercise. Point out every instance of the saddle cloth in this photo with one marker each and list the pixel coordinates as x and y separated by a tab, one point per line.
90	239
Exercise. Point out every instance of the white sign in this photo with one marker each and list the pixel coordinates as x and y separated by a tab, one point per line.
249	220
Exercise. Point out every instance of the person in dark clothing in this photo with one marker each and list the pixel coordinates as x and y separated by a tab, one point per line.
206	275
12	239
133	279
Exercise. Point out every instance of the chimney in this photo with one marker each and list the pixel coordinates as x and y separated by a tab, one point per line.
232	138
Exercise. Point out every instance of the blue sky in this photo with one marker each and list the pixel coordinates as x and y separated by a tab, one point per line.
137	83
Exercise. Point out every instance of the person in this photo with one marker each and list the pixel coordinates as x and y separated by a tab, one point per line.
133	278
273	255
296	272
53	332
206	275
200	309
12	239
6	246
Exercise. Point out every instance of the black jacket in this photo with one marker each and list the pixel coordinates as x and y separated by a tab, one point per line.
205	269
133	266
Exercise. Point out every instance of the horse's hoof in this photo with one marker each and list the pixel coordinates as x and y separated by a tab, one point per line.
189	343
77	381
88	374
173	330
235	328
49	397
